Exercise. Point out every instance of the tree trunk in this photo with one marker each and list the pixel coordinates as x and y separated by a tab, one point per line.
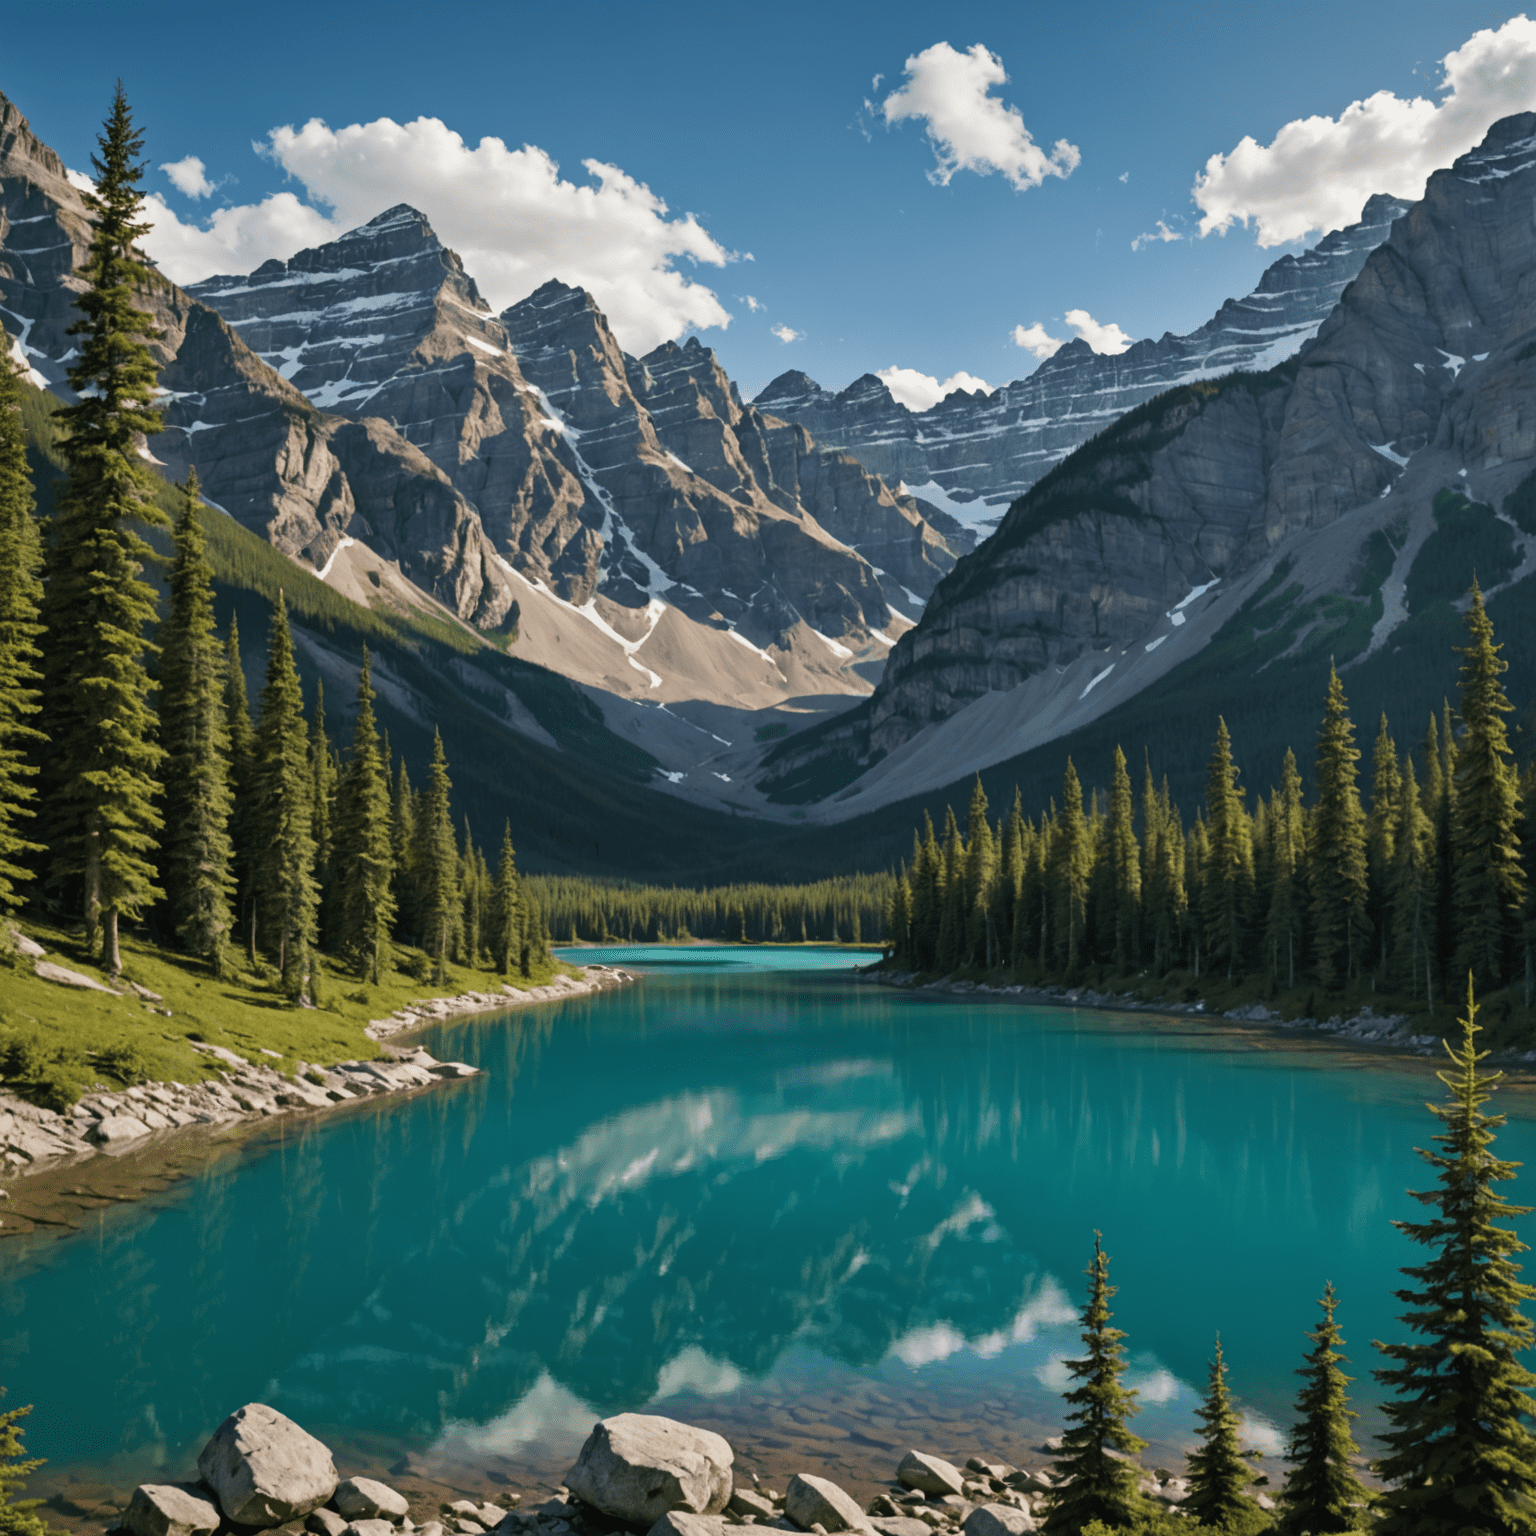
112	959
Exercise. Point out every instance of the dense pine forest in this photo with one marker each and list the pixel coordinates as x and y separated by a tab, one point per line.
1406	890
136	781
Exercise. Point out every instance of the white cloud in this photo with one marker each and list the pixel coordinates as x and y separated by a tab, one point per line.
1124	177
1108	339
1318	171
190	177
80	181
785	334
1034	338
922	391
752	304
510	215
1161	233
969	128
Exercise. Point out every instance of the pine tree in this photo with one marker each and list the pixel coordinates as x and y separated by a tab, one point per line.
1489	884
507	917
1071	858
101	767
1218	1474
1095	1484
199	875
952	901
242	763
1340	892
1228	893
1381	830
1125	868
282	808
980	875
1413	891
364	854
1322	1494
1460	1455
16	1515
1287	901
438	863
323	783
21	595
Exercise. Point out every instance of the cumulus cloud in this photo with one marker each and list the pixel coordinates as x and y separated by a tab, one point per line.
785	334
1161	233
753	304
1318	171
922	391
509	213
1034	338
190	177
971	129
1108	339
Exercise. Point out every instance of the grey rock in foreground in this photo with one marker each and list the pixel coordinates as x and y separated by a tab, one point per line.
812	1501
264	1469
638	1467
325	1522
170	1509
998	1520
930	1474
360	1498
678	1522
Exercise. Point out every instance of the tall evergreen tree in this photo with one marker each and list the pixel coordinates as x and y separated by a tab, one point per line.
199	876
1413	892
507	917
242	762
1340	891
438	863
287	897
1288	854
101	768
952	900
1218	1474
21	595
1228	893
1489	884
981	854
364	853
324	779
1381	831
403	849
1096	1481
1072	862
17	1517
1323	1495
1461	1456
1125	866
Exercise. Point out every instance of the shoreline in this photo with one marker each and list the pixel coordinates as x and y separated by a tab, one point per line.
183	1125
1386	1034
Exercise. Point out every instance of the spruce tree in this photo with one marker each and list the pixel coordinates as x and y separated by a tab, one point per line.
1125	869
283	804
242	763
16	1515
948	955
1414	892
21	595
101	767
1218	1473
1381	831
403	850
364	853
323	782
1323	1495
1072	862
1228	893
1340	893
981	854
198	874
1489	884
1288	854
507	917
438	863
1460	1454
1094	1484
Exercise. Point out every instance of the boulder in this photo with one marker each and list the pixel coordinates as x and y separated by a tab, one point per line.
170	1509
998	1520
370	1528
748	1501
900	1525
678	1522
930	1474
638	1467
812	1501
360	1498
325	1522
118	1128
265	1470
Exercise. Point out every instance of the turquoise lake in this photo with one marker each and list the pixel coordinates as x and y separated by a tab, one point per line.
823	1216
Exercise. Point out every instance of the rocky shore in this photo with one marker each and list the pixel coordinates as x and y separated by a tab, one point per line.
636	1473
32	1138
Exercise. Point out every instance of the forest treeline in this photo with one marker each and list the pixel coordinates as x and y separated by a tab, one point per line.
849	910
1425	880
134	778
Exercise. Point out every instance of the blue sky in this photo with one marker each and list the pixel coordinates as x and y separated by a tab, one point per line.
765	124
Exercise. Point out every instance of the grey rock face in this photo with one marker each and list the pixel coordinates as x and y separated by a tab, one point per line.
638	1467
325	1522
748	1501
170	1509
992	448
998	1520
265	1470
361	1498
931	1474
1424	349
812	1501
678	1522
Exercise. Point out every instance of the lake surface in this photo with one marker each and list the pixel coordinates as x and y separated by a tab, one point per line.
827	1218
